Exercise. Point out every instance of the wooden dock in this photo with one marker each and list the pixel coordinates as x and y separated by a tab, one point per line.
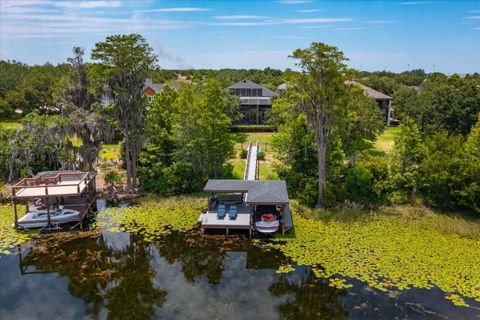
74	190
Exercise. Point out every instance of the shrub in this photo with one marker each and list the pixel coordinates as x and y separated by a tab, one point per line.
243	154
252	128
359	185
261	155
113	178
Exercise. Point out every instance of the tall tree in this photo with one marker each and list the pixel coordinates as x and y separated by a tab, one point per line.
407	154
78	103
202	130
318	89
126	60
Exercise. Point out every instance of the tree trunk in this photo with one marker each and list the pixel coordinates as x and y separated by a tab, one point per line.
134	167
321	141
128	163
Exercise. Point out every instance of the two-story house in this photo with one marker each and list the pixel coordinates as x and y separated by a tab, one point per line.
255	101
384	102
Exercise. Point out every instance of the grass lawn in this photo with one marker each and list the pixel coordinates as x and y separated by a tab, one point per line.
385	141
265	166
110	152
238	168
10	125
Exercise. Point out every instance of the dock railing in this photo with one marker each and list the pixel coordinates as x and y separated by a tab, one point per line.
51	182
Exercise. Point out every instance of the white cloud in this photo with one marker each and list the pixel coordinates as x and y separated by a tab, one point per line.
295	1
472	17
309	10
412	3
180	9
323	26
277	21
239	17
477	28
379	21
86	4
350	29
42	25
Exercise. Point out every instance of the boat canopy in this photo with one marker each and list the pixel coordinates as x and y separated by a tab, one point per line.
272	192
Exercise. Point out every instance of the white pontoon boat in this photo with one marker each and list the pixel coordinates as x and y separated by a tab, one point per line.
39	218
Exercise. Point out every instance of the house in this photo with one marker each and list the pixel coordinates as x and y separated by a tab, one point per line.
151	88
383	101
255	101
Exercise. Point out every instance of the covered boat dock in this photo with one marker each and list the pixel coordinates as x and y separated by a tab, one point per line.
248	196
74	190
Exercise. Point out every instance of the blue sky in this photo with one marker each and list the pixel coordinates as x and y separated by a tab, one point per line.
376	35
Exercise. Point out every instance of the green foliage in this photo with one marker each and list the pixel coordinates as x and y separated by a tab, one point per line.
125	61
443	104
202	131
268	77
387	251
378	168
384	84
243	153
113	177
450	173
252	128
79	110
189	139
40	145
362	120
406	157
153	217
261	155
9	236
359	184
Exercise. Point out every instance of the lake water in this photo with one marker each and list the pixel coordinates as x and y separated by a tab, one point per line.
101	275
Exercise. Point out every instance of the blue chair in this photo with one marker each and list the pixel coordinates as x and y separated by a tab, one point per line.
233	212
221	211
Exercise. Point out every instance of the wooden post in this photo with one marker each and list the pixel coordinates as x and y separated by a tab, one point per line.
48	212
389	112
15	212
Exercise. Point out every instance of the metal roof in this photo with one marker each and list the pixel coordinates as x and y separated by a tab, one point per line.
258	191
369	91
247	84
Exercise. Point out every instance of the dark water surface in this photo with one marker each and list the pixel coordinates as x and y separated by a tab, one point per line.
101	275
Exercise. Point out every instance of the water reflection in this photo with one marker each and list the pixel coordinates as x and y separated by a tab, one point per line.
119	281
311	298
100	275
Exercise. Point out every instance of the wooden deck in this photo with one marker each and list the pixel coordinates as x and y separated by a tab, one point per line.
71	190
211	221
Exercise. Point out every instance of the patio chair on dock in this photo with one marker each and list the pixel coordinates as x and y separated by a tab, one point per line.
221	211
233	212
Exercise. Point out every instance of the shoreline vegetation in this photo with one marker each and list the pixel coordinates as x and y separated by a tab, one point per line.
389	248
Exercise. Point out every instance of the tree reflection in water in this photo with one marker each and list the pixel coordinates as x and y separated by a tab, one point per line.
311	297
119	280
119	283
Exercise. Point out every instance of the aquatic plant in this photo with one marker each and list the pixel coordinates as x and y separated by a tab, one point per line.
387	252
153	218
9	236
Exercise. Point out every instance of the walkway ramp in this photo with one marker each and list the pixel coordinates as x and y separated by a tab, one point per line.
252	162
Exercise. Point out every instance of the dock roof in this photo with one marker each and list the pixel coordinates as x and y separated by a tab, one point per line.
258	191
